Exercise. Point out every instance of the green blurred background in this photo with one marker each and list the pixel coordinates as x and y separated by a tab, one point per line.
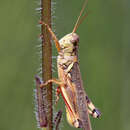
104	59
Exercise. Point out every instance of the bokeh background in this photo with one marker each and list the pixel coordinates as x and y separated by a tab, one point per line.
104	59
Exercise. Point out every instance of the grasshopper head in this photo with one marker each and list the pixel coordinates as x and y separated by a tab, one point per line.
69	41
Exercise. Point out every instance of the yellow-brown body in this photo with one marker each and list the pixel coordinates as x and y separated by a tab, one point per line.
68	57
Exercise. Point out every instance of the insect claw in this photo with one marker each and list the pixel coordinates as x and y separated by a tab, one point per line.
41	22
97	112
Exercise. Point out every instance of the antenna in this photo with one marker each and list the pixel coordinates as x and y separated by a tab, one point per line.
79	21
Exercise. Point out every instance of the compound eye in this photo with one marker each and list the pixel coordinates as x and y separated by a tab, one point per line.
75	39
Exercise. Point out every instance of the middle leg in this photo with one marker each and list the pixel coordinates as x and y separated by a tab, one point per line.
51	81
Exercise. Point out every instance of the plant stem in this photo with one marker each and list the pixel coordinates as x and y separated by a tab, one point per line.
47	58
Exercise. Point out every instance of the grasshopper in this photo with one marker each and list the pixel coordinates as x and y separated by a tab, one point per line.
70	85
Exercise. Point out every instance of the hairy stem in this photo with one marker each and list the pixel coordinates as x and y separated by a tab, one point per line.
47	58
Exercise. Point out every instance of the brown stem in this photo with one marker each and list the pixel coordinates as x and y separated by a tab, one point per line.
47	58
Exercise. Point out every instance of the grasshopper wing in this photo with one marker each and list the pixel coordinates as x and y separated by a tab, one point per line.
80	96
